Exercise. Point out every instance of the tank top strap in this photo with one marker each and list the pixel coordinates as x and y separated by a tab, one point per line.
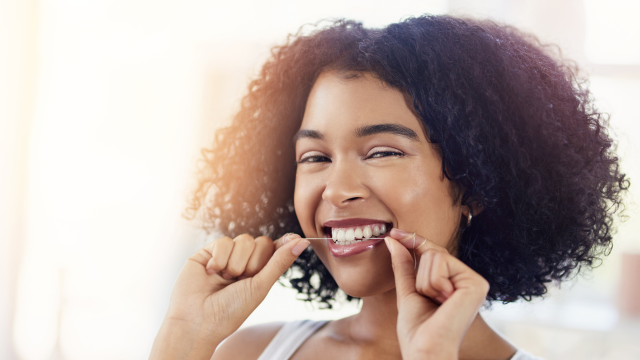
523	355
289	338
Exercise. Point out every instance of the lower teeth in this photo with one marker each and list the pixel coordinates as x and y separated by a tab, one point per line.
347	242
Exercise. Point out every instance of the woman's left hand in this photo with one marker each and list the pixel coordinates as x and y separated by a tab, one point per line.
437	302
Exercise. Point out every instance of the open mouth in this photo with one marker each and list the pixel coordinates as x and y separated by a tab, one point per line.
353	234
349	237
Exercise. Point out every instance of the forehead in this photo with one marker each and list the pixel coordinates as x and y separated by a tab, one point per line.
336	103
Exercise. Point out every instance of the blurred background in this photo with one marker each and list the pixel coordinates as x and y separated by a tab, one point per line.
104	105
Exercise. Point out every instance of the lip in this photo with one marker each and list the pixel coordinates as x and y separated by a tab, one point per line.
352	222
353	249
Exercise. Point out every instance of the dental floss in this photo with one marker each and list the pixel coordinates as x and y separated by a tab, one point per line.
329	238
414	252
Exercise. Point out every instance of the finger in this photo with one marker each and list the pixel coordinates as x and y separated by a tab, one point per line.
402	268
459	310
440	275
284	239
423	277
280	262
203	255
260	256
413	241
220	251
243	246
469	291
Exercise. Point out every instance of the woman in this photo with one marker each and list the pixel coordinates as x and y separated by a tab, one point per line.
435	164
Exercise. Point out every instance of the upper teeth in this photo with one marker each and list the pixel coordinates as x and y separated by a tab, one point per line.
347	236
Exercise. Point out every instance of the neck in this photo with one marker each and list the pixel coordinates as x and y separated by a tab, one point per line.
375	324
378	316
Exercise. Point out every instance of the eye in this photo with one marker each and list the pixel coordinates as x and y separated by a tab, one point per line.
313	157
381	152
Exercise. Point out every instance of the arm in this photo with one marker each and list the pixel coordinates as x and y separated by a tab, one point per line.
180	340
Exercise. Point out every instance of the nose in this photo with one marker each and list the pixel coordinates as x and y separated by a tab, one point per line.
344	185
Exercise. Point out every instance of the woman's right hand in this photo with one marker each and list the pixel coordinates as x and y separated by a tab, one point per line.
218	288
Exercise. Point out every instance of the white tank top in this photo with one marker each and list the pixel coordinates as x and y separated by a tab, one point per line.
293	334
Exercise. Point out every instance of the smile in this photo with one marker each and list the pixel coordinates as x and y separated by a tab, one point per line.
354	236
349	236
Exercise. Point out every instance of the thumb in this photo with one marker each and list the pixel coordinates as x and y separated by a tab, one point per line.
403	268
281	260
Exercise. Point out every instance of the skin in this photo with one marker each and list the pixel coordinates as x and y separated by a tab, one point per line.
428	311
382	176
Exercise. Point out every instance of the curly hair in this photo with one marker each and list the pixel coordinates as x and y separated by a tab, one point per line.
516	127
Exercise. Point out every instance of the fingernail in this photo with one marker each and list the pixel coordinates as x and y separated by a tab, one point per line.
288	237
400	234
299	247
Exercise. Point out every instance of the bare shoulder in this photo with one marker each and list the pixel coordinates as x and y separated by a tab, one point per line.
247	343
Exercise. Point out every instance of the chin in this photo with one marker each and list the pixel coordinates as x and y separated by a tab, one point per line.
364	283
364	292
367	274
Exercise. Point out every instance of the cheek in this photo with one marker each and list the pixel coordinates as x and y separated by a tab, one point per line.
422	202
406	190
306	197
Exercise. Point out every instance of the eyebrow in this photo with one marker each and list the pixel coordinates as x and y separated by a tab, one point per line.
364	131
310	134
394	129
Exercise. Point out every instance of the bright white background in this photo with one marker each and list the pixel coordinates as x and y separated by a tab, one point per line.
104	105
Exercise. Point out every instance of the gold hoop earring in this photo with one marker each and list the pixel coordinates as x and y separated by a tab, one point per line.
469	218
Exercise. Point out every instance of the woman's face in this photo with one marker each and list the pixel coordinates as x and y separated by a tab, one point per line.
363	163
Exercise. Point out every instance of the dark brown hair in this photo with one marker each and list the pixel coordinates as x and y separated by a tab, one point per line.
515	127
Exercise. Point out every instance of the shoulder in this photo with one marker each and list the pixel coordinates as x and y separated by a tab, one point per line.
247	343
